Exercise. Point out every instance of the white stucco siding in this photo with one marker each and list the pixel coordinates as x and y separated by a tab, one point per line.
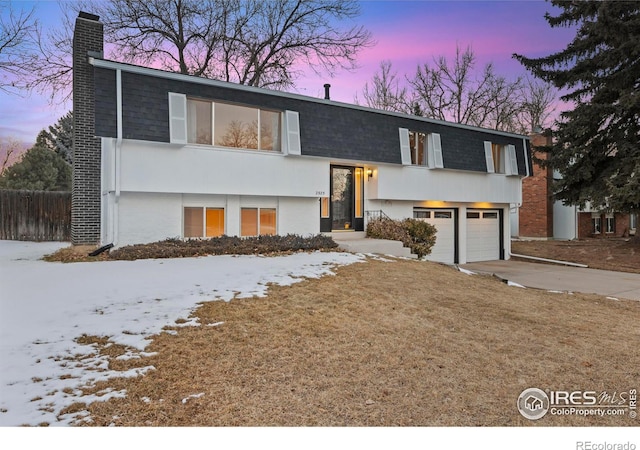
152	217
420	183
298	215
157	167
145	218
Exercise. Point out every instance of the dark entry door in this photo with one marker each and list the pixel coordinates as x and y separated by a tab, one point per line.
342	198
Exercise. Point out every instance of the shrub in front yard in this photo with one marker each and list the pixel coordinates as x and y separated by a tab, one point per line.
422	236
415	234
224	245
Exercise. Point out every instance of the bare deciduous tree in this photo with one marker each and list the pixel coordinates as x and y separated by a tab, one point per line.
537	98
11	150
16	36
453	91
252	42
264	41
385	91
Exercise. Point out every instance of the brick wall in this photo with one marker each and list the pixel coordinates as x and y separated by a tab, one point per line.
585	226
85	203
536	212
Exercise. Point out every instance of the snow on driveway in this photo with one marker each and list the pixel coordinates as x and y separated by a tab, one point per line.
44	307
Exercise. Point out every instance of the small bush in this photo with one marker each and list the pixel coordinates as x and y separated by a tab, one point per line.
224	245
415	234
422	236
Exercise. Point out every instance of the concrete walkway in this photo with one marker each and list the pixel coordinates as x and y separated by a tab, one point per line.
563	278
357	242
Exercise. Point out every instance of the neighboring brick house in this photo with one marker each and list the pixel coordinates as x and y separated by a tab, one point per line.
540	217
163	155
536	212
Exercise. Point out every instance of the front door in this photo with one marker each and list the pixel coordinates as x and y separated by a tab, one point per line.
342	198
344	208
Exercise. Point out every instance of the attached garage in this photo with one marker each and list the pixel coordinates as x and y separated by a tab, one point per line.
444	250
483	235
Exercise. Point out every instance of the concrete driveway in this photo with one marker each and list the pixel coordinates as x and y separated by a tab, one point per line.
562	278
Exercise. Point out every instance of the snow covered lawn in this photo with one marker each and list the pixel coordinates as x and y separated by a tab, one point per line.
45	307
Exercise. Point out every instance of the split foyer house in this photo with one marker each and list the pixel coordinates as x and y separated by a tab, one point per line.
161	155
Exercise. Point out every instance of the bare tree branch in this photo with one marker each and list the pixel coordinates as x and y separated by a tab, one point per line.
16	32
537	99
385	91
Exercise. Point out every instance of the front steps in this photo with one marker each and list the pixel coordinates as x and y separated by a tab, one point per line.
357	242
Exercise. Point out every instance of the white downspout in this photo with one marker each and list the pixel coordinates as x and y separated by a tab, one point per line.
519	202
555	261
117	159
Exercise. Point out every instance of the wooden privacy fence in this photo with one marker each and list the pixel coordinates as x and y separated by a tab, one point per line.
35	215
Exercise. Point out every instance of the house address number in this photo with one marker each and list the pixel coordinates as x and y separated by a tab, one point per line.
321	193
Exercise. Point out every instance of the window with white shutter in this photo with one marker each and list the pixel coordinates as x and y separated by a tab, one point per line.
292	121
177	118
512	160
405	147
488	155
436	148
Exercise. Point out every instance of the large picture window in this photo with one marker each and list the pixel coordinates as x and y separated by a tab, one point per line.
203	222
234	126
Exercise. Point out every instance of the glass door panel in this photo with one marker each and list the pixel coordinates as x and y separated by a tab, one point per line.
342	198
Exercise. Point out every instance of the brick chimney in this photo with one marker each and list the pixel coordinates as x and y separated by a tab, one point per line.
536	212
86	185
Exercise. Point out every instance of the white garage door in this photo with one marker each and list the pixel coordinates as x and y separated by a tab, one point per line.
443	219
483	235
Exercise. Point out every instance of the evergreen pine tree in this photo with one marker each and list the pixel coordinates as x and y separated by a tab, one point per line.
59	138
597	144
40	169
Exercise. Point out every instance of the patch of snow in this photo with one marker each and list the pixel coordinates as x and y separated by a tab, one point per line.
613	298
217	324
186	399
514	284
45	307
468	272
377	257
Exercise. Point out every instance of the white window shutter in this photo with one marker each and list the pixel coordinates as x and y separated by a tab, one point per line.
512	160
488	155
437	152
292	133
177	118
405	148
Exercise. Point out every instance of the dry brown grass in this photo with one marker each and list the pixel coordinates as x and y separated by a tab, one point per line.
621	255
383	344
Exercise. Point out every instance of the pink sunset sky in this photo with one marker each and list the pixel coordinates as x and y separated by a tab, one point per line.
407	33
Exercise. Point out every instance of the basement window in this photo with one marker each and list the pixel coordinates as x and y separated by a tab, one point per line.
203	222
257	221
